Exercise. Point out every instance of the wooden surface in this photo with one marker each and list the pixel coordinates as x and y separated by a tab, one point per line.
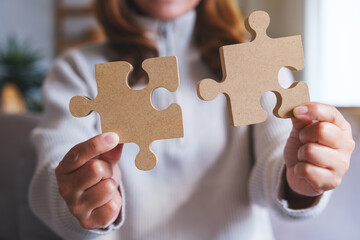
251	69
129	112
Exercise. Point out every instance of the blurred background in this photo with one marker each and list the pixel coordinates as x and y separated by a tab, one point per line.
41	30
34	32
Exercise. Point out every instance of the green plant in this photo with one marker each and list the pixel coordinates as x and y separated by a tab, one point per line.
19	65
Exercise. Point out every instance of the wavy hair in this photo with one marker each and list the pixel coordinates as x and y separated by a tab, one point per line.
218	23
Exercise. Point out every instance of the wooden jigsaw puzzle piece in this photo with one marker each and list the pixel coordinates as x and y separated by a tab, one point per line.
129	112
251	69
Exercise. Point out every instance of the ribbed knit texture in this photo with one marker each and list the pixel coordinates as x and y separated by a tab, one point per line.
205	186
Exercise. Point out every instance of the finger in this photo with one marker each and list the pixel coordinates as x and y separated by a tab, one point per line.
299	124
108	213
323	157
99	194
112	156
87	150
90	174
321	179
319	112
324	133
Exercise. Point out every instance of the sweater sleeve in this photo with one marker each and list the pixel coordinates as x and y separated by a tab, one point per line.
57	133
267	180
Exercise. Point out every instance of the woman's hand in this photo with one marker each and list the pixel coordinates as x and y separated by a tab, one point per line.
88	178
317	153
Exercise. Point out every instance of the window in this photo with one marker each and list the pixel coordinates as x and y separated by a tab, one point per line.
332	50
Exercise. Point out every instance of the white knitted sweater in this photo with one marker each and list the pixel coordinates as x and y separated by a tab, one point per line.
207	185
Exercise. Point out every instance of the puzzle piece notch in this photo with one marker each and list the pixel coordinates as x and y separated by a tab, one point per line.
251	69
129	112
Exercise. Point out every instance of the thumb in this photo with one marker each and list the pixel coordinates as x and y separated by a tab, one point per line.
300	119
112	156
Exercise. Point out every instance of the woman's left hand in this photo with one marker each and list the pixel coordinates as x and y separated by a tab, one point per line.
317	153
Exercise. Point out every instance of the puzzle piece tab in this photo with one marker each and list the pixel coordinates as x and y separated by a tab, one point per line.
130	112
251	69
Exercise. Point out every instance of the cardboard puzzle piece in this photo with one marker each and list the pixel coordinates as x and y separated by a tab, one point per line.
130	112
251	69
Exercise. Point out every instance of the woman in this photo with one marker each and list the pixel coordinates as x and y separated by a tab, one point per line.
212	184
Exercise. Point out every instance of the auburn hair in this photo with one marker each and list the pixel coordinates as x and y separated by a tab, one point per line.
218	23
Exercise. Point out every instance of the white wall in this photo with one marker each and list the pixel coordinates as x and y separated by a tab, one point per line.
287	16
333	38
28	20
33	21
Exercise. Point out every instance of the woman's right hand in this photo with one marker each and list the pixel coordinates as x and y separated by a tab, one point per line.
88	178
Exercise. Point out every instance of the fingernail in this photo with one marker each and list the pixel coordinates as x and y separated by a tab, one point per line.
302	110
111	138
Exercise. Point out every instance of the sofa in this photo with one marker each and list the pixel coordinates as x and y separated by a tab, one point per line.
340	220
17	164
